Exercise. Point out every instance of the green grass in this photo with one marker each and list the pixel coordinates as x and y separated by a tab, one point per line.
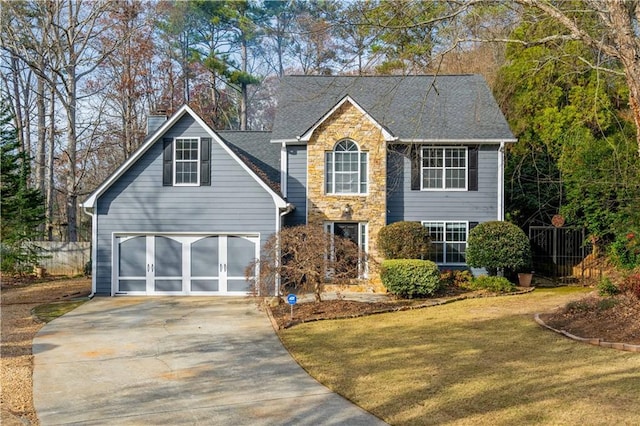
479	361
50	311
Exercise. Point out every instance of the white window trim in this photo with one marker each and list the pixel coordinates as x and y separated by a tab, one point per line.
444	168
363	244
444	224
333	171
175	161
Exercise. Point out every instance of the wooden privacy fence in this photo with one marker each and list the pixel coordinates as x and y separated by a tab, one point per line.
63	258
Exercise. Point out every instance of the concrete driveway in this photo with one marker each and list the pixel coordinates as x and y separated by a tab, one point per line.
176	360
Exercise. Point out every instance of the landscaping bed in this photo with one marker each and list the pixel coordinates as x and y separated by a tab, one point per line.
19	298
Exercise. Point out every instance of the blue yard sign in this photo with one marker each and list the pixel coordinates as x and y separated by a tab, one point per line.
292	300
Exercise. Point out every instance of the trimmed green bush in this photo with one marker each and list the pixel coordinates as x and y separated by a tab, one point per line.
455	278
498	245
494	284
410	278
404	240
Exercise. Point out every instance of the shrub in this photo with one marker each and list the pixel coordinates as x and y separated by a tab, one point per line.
404	240
494	284
607	288
455	278
625	251
410	278
631	285
498	245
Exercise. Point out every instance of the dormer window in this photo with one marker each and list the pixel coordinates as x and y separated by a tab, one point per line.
346	169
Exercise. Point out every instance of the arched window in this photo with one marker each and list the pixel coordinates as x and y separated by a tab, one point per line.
346	169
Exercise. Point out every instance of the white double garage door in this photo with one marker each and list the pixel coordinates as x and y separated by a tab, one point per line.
176	264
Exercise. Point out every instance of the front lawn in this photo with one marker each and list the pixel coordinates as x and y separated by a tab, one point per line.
477	361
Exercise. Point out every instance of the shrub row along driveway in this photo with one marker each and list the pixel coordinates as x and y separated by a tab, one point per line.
479	361
176	361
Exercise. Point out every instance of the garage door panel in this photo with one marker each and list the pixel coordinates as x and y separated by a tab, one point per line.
240	252
132	285
132	259
238	285
168	285
205	257
212	285
168	257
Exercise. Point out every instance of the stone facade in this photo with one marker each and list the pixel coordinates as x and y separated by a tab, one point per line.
348	122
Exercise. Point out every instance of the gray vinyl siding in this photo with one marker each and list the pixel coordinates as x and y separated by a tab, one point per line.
137	202
297	184
472	206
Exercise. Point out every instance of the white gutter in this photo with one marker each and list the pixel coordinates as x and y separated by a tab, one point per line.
94	249
459	141
501	181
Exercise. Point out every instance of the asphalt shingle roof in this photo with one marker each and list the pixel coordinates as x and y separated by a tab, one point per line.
254	149
411	107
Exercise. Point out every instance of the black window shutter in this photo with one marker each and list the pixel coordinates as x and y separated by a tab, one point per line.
472	225
473	168
205	162
415	167
167	162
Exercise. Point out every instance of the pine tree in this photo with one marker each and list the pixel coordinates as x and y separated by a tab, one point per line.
21	207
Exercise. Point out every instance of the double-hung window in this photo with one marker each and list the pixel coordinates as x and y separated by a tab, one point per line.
444	168
186	161
346	169
448	241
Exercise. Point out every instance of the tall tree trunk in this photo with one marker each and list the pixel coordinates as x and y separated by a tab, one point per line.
628	47
42	140
50	186
243	86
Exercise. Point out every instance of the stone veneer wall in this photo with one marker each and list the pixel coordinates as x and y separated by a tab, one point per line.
349	123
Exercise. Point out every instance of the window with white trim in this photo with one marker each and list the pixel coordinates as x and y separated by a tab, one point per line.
444	168
346	169
186	167
448	241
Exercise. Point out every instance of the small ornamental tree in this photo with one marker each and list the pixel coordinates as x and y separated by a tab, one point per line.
305	258
404	240
498	245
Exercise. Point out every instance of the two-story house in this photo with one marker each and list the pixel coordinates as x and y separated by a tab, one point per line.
192	207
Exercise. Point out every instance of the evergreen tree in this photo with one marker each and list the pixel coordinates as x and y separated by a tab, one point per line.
21	207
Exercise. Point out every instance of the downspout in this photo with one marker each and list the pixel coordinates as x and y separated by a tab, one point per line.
501	181
94	250
287	209
284	169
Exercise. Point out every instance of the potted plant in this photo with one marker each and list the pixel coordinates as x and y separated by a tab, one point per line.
525	278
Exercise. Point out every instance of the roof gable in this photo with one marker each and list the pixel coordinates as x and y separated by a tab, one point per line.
411	108
90	202
347	99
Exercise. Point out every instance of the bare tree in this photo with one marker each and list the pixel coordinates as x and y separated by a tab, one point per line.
306	258
69	32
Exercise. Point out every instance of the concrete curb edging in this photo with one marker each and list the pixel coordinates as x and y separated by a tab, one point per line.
592	341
